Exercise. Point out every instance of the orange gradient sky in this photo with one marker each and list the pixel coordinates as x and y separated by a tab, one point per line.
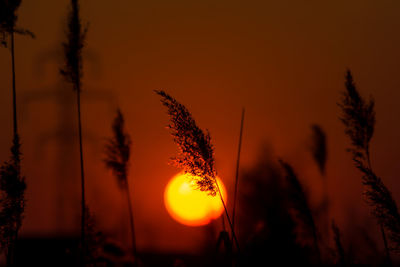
284	61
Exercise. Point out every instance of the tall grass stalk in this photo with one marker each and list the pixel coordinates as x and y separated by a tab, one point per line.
117	152
358	117
73	72
12	183
196	153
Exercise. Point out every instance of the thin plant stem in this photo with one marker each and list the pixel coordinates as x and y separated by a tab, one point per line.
131	221
13	84
83	201
388	257
316	246
223	223
237	171
227	216
11	252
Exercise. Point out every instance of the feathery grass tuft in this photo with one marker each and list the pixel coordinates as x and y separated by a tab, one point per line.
196	153
8	20
72	70
117	150
358	116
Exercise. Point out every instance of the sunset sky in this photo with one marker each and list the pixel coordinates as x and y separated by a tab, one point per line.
283	61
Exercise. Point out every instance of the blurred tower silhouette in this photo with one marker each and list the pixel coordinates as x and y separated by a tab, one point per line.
61	142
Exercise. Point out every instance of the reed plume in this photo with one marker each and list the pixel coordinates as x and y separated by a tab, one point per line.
8	18
196	153
300	206
117	152
72	72
358	116
73	69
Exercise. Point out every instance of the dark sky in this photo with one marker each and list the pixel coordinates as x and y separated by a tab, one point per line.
284	61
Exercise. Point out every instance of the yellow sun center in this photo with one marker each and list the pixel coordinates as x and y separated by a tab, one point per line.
190	206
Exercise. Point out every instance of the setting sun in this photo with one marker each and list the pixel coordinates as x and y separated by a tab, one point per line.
190	206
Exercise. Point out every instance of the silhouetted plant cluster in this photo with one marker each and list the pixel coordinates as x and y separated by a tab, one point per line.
94	241
267	230
299	204
12	200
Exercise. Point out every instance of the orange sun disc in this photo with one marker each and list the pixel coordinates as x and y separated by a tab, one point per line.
190	206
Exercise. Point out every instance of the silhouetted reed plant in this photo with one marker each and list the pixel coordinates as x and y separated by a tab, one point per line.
117	152
196	153
73	71
358	116
12	183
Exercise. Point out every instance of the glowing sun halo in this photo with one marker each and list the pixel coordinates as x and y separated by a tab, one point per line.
190	206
